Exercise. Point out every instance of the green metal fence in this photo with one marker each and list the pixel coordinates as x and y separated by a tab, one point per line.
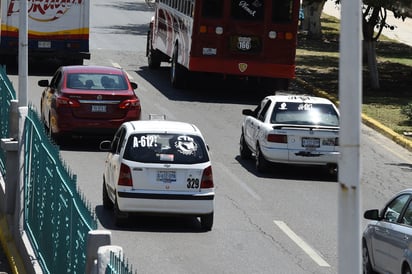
118	265
57	218
7	94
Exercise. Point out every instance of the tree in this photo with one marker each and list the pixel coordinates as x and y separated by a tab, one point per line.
312	10
374	15
373	22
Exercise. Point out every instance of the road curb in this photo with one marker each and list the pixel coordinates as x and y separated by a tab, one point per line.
372	123
9	247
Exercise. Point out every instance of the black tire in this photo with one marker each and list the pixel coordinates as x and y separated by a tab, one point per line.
177	72
406	270
54	136
153	58
262	165
245	152
107	203
119	216
366	262
206	221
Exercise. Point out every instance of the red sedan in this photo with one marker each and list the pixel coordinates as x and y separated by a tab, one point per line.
88	100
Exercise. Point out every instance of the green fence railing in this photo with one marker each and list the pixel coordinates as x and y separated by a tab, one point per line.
57	218
7	94
118	265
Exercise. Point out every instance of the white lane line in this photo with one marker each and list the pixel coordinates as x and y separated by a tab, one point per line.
301	243
116	65
239	181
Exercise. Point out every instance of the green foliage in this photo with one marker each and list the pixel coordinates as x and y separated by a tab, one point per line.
407	110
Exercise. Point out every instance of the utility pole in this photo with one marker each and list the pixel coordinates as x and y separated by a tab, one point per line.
350	96
23	54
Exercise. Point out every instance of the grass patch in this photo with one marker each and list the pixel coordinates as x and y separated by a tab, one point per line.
317	62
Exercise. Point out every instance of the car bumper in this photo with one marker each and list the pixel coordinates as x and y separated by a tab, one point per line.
69	124
310	157
138	202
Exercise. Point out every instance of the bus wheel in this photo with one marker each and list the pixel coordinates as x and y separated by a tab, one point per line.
177	72
153	58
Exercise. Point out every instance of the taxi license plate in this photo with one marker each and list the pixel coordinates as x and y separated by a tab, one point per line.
99	108
166	176
310	142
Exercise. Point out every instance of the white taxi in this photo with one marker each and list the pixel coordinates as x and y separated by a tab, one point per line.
292	129
158	167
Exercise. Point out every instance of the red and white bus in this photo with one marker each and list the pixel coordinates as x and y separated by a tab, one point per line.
246	38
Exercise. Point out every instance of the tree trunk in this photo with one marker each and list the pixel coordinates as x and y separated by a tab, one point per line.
370	50
311	22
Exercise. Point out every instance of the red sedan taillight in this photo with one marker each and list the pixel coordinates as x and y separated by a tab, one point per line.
131	103
125	176
277	138
207	178
64	102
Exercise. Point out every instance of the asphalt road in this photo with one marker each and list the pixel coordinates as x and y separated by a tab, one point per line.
248	203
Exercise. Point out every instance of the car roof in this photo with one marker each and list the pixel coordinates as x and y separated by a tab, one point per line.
299	98
92	69
162	126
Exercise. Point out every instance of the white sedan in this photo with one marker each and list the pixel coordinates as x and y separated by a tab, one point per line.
158	167
292	129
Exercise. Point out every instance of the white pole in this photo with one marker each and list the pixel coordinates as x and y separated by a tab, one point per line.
23	54
350	95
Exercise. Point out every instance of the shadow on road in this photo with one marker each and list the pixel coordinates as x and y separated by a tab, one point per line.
145	223
290	172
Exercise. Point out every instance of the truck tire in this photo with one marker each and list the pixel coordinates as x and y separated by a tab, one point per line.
153	58
177	72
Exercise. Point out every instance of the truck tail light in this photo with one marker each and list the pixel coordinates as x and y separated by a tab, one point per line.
207	178
277	138
125	176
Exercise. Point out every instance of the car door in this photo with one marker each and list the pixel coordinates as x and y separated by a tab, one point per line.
254	124
385	234
402	239
49	96
113	161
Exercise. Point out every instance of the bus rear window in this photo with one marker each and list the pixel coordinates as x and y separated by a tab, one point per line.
247	10
282	10
212	8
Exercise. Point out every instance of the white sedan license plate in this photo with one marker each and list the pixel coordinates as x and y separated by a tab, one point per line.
99	108
166	176
310	142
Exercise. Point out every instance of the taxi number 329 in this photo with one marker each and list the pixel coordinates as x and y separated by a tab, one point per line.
192	183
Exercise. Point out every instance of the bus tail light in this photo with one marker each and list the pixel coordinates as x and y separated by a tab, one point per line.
277	138
211	30
280	35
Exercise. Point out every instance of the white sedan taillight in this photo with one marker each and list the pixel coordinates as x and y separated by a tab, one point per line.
207	178
125	176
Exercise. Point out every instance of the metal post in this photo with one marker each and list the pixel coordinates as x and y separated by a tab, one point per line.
23	54
350	94
95	239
